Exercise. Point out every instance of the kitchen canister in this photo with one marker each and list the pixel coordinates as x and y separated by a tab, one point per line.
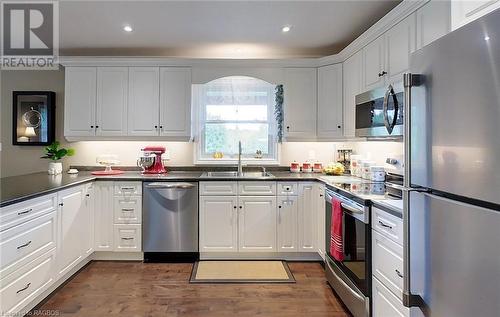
294	167
377	173
354	165
307	167
366	169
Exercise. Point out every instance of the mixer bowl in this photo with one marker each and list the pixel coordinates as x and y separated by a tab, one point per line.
145	162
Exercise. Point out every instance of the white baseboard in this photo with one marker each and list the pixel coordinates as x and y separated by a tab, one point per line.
288	256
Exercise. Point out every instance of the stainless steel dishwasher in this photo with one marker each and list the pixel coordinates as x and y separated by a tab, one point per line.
170	224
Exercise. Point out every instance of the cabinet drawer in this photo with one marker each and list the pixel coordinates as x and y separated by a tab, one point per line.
218	188
387	263
127	238
257	188
18	213
127	210
287	188
20	288
128	188
24	243
387	224
385	304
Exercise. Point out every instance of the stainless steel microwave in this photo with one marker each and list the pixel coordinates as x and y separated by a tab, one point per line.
379	112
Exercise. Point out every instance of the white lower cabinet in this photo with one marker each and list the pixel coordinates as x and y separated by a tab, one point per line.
287	223
19	289
127	238
103	225
257	224
385	304
218	223
387	265
72	227
321	219
307	218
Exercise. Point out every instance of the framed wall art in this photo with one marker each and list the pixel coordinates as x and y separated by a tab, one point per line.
33	117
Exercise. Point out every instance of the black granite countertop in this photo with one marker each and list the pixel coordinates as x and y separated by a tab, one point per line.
18	188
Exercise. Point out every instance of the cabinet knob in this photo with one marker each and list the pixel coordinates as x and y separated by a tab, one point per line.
61	204
382	73
97	127
156	127
87	195
288	128
241	207
234	207
91	126
279	206
339	126
161	127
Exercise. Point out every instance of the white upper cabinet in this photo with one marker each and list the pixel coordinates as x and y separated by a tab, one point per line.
463	12
329	116
433	22
175	102
300	102
373	63
143	101
79	101
112	95
387	58
400	43
352	83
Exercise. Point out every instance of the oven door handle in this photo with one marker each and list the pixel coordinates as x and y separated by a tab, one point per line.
353	292
352	209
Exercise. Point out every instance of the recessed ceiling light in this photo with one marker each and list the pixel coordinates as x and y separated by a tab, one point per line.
486	38
127	28
286	28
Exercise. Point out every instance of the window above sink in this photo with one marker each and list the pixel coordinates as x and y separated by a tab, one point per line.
232	109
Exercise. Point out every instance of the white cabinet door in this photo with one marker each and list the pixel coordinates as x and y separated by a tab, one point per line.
103	225
321	219
143	101
399	44
72	224
463	12
257	224
79	101
307	218
330	101
373	64
112	95
88	223
352	84
218	224
300	103
287	223
175	102
385	304
433	21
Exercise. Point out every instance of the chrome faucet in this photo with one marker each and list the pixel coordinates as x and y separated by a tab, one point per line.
240	167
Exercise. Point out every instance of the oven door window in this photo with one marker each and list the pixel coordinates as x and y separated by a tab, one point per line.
355	251
355	234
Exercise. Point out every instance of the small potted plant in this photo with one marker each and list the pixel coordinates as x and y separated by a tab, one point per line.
54	153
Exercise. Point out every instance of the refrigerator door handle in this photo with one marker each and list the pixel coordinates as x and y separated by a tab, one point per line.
409	299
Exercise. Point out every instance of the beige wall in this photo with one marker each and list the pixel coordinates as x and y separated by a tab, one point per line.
18	160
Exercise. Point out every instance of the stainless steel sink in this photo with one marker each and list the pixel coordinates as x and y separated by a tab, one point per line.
233	174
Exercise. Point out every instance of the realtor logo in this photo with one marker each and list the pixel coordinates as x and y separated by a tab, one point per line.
30	35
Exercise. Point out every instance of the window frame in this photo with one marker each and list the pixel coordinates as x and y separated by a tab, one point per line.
199	116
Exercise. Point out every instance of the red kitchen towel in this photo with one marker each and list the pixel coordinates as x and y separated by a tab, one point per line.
336	243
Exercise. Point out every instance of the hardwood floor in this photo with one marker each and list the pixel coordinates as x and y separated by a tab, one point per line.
138	289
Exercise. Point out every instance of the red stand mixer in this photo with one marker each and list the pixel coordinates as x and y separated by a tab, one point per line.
150	161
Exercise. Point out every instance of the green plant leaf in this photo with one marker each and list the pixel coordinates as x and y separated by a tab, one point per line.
70	152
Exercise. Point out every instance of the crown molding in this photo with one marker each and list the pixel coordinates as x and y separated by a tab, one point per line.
396	15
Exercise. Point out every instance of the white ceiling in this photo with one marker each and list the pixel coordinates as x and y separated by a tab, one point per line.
215	29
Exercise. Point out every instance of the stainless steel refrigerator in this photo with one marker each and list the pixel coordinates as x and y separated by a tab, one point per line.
452	154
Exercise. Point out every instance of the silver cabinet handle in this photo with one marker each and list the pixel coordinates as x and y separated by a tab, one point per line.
398	273
128	209
24	245
170	185
127	238
384	225
24	288
24	212
127	188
